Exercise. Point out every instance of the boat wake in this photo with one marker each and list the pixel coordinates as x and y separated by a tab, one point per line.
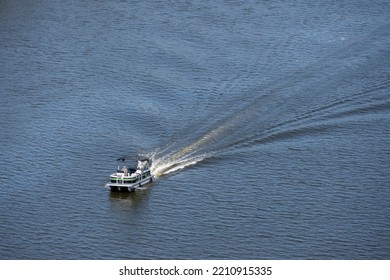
311	102
243	130
169	159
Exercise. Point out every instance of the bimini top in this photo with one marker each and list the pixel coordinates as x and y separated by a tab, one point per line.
140	158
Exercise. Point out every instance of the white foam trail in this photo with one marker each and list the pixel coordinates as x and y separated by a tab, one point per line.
192	153
166	165
167	168
185	156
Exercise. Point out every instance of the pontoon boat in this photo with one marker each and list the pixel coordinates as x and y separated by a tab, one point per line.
129	179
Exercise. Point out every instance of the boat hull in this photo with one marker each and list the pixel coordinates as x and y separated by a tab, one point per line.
123	187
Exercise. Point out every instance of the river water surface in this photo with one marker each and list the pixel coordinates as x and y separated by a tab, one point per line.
268	123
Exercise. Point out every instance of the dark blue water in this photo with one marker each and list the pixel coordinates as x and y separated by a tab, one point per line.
267	121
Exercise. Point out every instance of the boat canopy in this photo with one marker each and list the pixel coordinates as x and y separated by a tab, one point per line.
139	158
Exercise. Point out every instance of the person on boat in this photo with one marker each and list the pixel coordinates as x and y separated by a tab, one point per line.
125	171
